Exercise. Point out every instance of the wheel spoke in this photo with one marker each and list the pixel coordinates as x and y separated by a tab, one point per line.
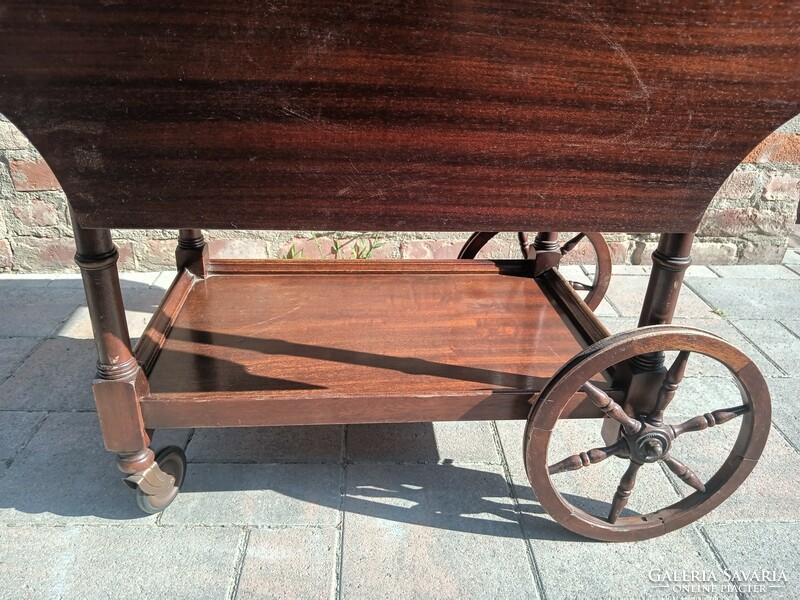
522	237
584	459
581	287
572	243
669	387
624	491
718	417
604	402
684	472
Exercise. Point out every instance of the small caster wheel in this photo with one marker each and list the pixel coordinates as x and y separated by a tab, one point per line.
602	259
172	462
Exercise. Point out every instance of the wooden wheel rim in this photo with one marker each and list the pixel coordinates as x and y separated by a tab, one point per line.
753	432
602	272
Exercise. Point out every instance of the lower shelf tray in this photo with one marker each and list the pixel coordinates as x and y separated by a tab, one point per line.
307	342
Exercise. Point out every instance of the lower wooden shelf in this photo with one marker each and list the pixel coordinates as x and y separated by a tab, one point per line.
324	342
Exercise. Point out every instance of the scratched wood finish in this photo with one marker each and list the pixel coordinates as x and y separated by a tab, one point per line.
418	115
318	347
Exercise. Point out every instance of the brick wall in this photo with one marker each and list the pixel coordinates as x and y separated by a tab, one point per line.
749	221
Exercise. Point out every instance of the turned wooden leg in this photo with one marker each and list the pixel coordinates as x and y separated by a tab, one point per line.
120	382
192	252
646	372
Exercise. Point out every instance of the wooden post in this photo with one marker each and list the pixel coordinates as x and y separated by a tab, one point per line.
646	374
120	381
670	261
192	252
548	252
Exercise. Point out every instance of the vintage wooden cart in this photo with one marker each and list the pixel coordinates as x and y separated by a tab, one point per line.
413	116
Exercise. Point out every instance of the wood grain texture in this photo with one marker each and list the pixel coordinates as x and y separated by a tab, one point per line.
457	115
340	345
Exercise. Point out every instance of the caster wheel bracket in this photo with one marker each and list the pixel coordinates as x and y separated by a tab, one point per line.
151	481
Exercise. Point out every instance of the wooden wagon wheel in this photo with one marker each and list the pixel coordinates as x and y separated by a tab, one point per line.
602	273
648	439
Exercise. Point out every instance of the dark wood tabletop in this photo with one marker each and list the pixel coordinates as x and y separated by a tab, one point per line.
416	115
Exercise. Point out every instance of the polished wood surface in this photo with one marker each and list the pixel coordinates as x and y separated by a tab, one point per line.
353	341
458	115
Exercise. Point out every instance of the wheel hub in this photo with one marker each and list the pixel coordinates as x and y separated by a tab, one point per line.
650	444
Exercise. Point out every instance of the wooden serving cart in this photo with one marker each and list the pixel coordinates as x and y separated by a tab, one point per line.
413	116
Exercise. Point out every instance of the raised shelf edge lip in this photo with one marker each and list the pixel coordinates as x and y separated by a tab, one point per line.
168	410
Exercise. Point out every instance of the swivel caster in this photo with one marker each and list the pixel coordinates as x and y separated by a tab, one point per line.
158	485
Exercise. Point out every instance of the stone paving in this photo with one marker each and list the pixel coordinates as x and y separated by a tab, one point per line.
438	510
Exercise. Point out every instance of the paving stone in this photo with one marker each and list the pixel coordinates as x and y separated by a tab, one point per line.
170	437
605	309
265	495
462	442
791	257
79	325
24	280
754	272
792	325
319	443
794	267
786	407
129	281
750	298
15	427
620	324
770	493
700	365
164	279
432	531
578	273
774	340
472	498
699	271
137	280
65	477
771	553
13	351
57	376
289	563
622	269
573	567
590	489
37	310
626	294
103	562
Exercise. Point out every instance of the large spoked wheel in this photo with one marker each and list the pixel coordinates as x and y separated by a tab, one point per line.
172	462
653	447
602	259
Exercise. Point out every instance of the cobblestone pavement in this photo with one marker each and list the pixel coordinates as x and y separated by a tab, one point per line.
438	510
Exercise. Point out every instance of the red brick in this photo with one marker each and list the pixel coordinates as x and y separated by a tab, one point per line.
36	213
762	254
777	148
32	176
417	249
11	138
6	258
248	248
160	253
782	188
740	185
736	222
